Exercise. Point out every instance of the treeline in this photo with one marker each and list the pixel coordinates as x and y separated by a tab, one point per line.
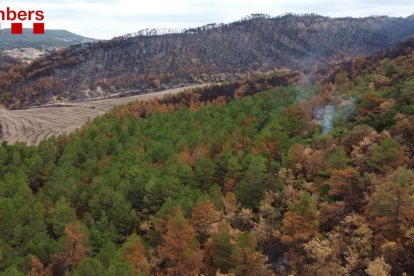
211	94
224	181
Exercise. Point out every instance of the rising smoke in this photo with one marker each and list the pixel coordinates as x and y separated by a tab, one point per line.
327	118
330	113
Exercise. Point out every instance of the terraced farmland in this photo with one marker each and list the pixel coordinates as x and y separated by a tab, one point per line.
32	126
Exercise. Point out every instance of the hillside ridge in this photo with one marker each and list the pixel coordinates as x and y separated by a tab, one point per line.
212	53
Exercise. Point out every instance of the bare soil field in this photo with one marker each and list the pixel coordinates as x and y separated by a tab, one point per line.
31	126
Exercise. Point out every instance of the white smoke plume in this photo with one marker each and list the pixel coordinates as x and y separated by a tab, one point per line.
327	118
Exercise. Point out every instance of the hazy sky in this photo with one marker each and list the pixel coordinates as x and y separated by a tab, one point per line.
108	18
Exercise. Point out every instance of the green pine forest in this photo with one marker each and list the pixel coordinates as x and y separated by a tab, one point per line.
242	178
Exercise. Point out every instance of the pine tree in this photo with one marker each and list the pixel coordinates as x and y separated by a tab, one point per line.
180	249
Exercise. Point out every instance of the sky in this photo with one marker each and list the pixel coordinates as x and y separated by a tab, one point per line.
104	19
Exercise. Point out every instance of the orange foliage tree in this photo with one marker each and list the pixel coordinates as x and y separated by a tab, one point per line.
180	250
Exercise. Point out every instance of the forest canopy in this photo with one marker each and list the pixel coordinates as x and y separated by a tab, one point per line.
240	178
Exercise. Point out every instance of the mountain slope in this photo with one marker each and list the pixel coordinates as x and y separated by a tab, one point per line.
51	39
226	179
7	62
210	53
